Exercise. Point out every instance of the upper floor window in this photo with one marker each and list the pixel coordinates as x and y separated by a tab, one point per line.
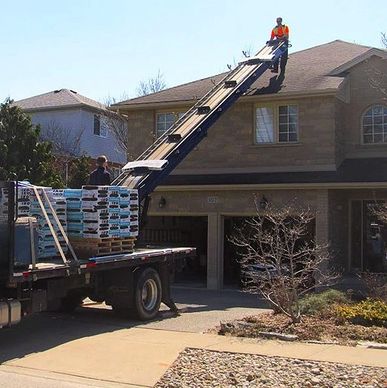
165	120
276	124
374	125
99	127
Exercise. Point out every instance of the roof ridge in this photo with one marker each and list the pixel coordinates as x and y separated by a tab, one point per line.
328	43
172	87
71	93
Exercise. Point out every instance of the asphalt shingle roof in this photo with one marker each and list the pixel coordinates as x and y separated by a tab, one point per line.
307	70
62	98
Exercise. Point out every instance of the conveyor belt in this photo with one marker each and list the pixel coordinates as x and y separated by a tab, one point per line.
182	137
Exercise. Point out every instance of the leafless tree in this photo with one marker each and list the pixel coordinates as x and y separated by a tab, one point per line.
384	39
65	141
116	123
378	78
278	258
152	85
66	144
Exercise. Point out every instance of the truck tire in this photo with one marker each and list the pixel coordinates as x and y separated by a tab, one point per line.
70	302
147	294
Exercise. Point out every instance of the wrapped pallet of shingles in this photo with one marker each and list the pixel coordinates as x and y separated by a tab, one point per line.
74	212
134	209
46	243
114	211
3	204
95	212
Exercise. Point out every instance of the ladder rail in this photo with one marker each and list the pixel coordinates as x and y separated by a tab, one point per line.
191	122
192	110
186	115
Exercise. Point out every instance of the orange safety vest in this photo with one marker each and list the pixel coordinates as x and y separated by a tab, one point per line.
280	32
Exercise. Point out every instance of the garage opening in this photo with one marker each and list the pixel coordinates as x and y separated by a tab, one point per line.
179	231
232	268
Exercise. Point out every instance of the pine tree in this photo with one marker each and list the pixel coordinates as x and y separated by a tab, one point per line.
79	172
22	155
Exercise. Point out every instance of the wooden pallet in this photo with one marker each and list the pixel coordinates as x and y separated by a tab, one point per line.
88	247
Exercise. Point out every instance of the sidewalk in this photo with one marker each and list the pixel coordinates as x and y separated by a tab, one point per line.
140	356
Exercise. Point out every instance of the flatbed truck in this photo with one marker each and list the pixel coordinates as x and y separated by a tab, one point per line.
135	283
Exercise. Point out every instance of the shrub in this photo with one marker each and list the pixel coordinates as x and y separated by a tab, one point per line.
369	312
318	303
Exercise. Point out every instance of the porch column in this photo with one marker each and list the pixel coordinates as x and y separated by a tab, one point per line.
322	217
322	221
215	251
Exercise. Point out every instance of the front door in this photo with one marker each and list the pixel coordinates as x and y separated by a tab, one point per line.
368	237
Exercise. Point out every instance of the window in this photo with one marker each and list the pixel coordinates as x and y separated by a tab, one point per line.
264	125
276	124
165	120
99	127
374	125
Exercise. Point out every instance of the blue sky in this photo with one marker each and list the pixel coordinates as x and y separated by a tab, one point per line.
105	48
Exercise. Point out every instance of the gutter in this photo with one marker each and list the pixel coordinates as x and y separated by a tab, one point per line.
259	97
274	186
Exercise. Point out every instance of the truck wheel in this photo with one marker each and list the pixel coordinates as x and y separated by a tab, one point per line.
147	294
70	302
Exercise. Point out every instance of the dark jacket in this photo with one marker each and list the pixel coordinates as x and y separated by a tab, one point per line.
100	176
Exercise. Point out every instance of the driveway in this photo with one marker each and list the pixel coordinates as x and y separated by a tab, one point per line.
94	347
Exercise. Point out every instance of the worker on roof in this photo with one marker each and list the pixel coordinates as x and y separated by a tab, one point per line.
281	33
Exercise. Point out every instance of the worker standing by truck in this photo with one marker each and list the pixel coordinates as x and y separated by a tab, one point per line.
281	33
100	176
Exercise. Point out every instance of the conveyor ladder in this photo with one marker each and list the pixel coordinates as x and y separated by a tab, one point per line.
182	137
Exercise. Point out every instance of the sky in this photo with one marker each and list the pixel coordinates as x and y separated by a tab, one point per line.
104	49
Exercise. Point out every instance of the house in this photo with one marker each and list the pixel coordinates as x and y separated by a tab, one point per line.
316	136
76	125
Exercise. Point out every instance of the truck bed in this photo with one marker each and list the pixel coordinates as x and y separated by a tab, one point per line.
56	268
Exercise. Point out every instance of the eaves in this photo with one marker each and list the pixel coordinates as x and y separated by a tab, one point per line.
254	98
278	186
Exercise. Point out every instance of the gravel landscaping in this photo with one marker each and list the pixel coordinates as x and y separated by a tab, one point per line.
197	368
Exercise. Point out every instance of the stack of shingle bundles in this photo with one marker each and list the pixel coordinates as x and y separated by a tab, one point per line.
95	209
3	204
74	212
124	213
24	202
134	208
114	211
46	244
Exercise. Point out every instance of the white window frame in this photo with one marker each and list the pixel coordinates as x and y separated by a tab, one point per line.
103	130
374	121
176	116
276	121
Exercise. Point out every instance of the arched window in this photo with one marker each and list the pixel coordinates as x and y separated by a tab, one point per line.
374	125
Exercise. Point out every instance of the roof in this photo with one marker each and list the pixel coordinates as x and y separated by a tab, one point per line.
315	69
58	99
350	171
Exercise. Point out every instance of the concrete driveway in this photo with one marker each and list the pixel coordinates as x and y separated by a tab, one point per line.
200	310
93	347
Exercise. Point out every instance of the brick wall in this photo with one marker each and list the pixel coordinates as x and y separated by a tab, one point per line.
230	142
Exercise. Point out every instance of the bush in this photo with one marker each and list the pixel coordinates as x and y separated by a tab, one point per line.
318	303
369	312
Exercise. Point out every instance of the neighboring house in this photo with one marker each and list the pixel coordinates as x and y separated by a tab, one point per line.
76	125
317	136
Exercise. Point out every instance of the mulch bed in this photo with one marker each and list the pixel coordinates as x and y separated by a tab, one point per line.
312	328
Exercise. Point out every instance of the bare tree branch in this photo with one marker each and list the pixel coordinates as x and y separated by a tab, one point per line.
378	78
152	85
280	259
384	39
65	142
